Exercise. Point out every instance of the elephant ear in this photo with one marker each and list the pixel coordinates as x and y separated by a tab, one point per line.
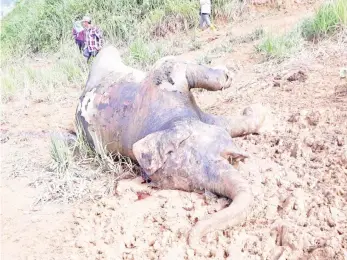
152	151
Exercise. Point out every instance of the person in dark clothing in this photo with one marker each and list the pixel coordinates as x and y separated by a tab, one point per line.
94	39
79	34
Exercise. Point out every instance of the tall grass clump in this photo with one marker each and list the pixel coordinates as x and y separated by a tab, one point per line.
228	9
112	163
330	17
172	16
280	46
60	153
143	53
78	172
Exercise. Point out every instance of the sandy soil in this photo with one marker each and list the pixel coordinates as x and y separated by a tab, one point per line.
297	171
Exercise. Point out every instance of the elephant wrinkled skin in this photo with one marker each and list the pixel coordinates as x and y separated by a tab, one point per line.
154	119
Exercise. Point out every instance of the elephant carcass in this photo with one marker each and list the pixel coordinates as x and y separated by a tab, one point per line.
157	122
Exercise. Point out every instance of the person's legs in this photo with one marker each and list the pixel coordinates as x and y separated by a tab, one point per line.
206	18
87	54
91	56
201	22
80	45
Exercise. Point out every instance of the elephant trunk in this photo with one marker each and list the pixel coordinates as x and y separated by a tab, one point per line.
235	187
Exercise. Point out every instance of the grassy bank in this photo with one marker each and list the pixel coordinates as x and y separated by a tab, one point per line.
328	19
44	25
43	28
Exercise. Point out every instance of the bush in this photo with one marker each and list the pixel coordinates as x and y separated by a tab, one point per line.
142	54
172	17
329	18
281	46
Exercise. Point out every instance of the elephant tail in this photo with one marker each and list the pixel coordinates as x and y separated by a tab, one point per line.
235	187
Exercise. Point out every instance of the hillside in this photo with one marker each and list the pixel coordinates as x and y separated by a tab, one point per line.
288	57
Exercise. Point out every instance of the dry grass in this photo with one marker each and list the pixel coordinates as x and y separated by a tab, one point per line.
45	73
76	170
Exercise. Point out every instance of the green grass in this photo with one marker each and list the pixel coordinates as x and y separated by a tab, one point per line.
60	154
280	46
329	18
142	53
47	74
205	59
256	34
226	47
44	25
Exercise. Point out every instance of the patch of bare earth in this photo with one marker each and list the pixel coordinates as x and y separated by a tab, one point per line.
297	172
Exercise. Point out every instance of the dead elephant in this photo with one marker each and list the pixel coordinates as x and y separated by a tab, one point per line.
156	121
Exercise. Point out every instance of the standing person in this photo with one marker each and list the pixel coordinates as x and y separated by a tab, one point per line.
205	13
78	33
94	40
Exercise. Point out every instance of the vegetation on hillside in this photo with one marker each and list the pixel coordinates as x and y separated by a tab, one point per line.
44	28
329	18
280	46
44	25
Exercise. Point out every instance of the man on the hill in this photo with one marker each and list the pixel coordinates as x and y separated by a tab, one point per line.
93	38
205	12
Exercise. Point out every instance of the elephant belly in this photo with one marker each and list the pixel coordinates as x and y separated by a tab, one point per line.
116	117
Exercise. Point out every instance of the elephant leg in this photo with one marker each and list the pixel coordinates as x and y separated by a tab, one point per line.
252	121
172	74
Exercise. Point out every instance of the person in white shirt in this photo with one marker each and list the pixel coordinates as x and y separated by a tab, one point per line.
205	13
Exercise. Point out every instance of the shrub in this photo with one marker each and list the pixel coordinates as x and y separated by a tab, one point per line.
329	18
142	53
282	46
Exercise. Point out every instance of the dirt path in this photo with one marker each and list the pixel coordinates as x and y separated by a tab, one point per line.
298	172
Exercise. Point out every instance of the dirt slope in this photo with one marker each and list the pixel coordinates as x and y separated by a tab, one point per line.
297	171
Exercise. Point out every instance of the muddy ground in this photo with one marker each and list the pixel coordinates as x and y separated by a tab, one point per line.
297	169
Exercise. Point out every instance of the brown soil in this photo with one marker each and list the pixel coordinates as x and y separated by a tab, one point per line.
297	170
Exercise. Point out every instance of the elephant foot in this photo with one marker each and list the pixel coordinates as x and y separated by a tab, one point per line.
260	118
